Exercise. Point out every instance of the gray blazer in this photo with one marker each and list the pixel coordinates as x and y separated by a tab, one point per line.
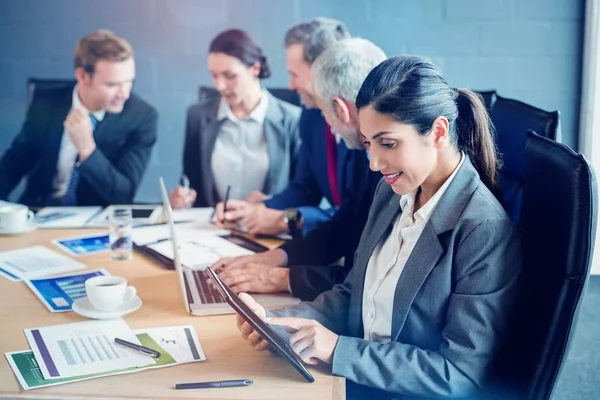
202	127
451	304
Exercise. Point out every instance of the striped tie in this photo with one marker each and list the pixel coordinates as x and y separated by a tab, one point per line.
70	198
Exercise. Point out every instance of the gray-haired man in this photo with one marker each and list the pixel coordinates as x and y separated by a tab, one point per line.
337	75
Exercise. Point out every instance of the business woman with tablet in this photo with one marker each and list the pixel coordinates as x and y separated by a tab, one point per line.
425	308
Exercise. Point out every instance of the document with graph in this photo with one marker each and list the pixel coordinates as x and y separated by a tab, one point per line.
84	348
198	252
176	344
59	292
33	262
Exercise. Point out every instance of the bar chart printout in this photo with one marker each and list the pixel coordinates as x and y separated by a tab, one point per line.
84	348
59	292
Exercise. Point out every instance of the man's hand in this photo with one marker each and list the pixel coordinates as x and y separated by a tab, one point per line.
256	197
246	329
311	341
236	210
256	278
258	272
79	127
265	221
182	198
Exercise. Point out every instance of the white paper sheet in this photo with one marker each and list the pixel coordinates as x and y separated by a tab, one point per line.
33	262
65	217
84	348
181	342
199	252
151	234
199	216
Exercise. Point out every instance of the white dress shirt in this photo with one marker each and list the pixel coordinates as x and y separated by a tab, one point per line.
388	261
68	152
240	157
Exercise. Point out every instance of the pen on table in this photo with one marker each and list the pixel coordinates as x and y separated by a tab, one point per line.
225	203
141	349
217	384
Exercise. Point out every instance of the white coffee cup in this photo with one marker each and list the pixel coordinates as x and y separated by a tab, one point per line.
107	293
15	218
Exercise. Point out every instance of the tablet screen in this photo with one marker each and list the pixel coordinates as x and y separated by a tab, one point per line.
264	330
141	212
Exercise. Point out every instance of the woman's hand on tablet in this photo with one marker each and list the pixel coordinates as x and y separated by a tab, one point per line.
246	329
310	340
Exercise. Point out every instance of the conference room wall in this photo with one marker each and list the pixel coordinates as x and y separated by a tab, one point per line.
530	50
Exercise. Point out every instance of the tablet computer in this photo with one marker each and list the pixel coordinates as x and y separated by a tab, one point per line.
264	330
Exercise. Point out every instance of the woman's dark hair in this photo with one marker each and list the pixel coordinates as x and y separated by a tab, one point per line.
413	91
237	43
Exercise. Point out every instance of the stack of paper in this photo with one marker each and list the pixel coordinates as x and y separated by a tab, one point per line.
65	217
85	350
35	261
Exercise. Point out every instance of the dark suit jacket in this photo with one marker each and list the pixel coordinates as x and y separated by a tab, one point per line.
311	183
112	173
452	302
309	256
202	128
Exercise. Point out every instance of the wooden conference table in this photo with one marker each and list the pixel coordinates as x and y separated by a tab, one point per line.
228	355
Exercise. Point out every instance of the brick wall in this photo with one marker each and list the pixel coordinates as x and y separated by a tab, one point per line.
527	49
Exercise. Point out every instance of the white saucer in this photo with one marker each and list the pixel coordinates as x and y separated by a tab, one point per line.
83	307
29	228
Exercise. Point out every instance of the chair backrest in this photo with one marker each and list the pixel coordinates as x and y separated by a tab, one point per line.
207	93
35	84
558	228
512	119
489	98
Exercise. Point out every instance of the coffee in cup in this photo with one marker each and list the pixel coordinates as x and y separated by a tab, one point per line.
15	218
108	293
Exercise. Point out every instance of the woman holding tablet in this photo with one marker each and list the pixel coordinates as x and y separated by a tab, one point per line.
437	270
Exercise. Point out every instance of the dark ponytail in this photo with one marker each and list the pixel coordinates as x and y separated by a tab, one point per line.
237	43
413	91
265	69
474	136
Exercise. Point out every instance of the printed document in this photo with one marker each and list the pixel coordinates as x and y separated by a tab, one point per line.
84	348
177	345
35	261
199	252
65	217
59	292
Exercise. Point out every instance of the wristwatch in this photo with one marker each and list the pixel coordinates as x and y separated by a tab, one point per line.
292	217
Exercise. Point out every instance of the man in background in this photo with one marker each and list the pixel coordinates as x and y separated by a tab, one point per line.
329	164
88	143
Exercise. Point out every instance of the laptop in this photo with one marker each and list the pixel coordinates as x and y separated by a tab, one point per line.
265	331
193	256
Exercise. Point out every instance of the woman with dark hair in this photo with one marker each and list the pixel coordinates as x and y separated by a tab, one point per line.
242	136
424	310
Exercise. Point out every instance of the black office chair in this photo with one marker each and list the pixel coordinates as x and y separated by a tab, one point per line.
512	119
558	228
208	93
35	84
489	98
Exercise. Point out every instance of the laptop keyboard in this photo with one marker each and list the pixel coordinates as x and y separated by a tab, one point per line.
208	294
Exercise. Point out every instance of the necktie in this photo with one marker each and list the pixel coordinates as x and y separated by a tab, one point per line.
70	198
332	165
